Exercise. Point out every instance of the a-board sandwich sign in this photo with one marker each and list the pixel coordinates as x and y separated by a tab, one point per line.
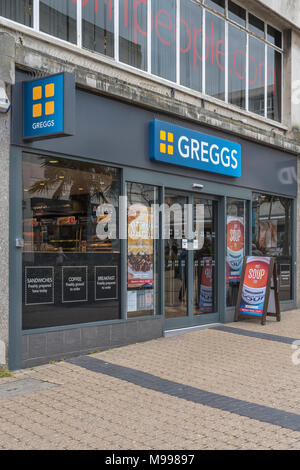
258	294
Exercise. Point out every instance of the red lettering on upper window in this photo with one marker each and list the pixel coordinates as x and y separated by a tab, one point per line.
168	26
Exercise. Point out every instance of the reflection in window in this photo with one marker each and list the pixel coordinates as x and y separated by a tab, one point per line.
71	257
272	236
17	10
58	18
215	62
274	84
142	257
98	26
133	33
235	245
163	39
237	66
191	45
256	76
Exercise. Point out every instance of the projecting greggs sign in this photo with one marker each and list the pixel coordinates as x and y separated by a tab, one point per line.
180	146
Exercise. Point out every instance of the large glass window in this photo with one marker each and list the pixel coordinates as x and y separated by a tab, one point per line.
218	5
215	60
186	46
163	42
18	10
71	257
274	84
133	33
272	236
58	18
235	247
257	69
142	288
191	45
98	26
237	66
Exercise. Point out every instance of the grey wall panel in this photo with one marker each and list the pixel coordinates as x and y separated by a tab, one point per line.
40	348
118	133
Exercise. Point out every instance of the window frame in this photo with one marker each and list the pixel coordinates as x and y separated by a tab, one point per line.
148	72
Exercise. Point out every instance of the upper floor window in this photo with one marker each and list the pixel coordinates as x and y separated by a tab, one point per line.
216	47
17	10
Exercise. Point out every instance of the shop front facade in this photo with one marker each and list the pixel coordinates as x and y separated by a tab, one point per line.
133	220
88	284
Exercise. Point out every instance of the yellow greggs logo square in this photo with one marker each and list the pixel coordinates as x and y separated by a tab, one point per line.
37	95
167	141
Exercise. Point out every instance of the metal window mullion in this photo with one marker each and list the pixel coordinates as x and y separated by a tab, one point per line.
116	30
149	36
203	51
79	24
178	42
36	15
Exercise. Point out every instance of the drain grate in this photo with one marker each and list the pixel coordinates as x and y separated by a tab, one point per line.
23	387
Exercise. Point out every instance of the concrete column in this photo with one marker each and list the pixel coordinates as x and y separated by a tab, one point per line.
7	78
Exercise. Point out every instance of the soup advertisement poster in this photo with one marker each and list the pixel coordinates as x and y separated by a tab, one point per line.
140	247
206	286
255	286
235	248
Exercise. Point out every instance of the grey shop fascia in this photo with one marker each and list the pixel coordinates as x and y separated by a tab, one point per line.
102	295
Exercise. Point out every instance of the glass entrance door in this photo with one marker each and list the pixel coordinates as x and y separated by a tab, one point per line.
204	257
176	259
190	287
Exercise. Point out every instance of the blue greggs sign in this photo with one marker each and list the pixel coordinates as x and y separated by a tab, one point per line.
180	146
49	107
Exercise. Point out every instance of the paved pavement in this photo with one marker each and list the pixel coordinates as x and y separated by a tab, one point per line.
230	388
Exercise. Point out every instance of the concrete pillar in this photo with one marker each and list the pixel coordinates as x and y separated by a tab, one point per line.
7	78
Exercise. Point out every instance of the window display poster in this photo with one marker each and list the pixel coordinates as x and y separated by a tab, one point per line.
140	247
39	285
206	286
74	284
106	283
235	248
255	286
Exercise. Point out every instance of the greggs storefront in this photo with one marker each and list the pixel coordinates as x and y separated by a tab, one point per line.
128	223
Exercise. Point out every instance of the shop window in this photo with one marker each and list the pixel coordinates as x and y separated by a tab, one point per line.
163	42
272	236
236	248
215	56
191	45
274	84
237	66
71	257
133	33
257	70
58	18
17	10
142	279
98	26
